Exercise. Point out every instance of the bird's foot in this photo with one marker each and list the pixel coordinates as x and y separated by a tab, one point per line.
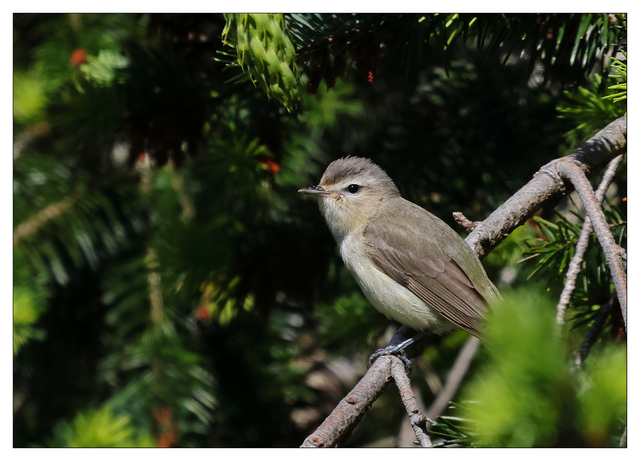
402	341
397	351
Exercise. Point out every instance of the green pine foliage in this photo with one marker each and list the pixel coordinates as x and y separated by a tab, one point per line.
621	74
553	250
99	429
525	393
567	46
588	108
263	46
26	310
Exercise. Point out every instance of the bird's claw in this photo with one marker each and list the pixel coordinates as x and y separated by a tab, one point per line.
396	352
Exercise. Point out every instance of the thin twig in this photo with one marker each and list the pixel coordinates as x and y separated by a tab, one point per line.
406	437
456	375
177	182
35	222
583	243
613	253
463	221
594	331
418	420
155	287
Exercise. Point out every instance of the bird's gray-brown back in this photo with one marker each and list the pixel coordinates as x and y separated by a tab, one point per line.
423	254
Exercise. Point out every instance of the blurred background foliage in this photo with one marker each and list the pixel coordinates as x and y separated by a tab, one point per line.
171	288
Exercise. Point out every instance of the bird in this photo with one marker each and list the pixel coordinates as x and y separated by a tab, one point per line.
409	264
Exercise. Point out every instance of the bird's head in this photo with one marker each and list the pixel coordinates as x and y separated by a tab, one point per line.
351	192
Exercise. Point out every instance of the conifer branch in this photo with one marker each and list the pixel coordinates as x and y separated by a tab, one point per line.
594	331
455	377
345	417
614	254
583	242
151	260
188	208
418	420
31	225
548	186
463	221
338	426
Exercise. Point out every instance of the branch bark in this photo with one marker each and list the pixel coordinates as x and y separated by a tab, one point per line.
547	185
612	252
454	379
583	242
418	420
34	223
456	375
593	333
343	419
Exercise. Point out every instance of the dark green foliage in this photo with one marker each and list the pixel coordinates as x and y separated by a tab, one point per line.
554	249
455	430
588	108
171	287
568	46
64	220
557	249
27	307
349	322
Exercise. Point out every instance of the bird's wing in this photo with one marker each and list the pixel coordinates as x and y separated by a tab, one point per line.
429	259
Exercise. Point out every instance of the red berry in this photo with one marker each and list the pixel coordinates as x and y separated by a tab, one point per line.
78	57
202	312
273	166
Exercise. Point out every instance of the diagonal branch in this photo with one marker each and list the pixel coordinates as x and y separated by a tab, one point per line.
583	242
454	379
612	252
351	409
547	186
593	333
458	372
34	223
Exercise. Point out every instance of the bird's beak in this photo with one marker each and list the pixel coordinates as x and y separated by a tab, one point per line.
316	190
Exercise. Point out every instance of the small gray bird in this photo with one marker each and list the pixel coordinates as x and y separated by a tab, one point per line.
409	264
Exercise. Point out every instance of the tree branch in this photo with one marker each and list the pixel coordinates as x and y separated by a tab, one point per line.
346	416
456	375
418	420
35	222
463	221
612	252
594	331
547	185
623	438
583	243
454	379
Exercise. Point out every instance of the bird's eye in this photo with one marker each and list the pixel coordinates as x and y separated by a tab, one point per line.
353	188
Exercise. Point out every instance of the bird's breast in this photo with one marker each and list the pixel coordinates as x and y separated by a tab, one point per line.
389	297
